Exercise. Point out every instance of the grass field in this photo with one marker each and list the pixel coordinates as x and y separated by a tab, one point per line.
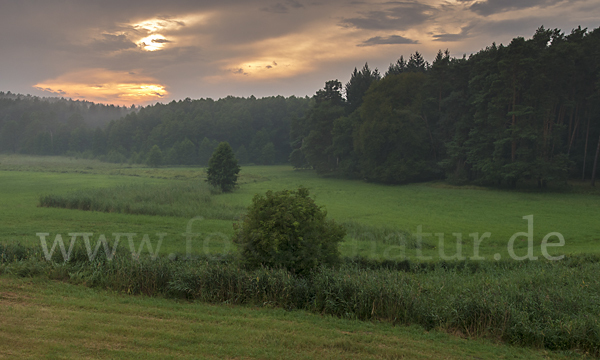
375	216
435	207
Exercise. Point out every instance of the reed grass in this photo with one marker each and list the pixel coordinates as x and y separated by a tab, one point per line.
384	235
183	199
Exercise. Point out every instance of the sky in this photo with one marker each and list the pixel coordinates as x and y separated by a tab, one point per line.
143	52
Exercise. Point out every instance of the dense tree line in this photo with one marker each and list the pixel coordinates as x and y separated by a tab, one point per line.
184	132
188	131
51	126
527	111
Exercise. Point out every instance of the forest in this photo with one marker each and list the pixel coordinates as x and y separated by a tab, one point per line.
186	131
528	111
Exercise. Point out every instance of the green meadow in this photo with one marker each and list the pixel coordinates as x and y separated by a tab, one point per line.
373	213
468	307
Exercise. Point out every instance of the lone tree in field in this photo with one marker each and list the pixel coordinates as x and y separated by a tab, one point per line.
223	168
286	229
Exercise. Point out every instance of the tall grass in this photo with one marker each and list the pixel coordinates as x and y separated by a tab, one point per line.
384	235
552	305
184	199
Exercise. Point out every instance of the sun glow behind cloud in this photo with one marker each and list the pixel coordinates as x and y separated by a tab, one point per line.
153	42
125	87
104	86
162	31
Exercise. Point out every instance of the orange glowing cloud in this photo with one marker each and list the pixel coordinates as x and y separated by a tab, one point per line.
105	86
292	54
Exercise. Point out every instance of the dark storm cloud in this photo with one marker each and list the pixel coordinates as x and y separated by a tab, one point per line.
399	16
389	40
489	7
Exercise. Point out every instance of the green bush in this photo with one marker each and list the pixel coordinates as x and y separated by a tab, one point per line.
223	168
286	229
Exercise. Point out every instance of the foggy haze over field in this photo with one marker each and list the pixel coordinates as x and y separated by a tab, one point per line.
140	52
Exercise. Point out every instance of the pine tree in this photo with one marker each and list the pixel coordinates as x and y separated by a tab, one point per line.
359	83
416	63
223	168
398	68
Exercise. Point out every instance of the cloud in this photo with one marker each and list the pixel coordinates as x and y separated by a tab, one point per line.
281	8
51	91
401	16
239	71
389	40
490	7
161	41
445	37
104	86
110	43
278	8
295	4
512	27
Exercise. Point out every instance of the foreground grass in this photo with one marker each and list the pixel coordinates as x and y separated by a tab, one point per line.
47	319
539	304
